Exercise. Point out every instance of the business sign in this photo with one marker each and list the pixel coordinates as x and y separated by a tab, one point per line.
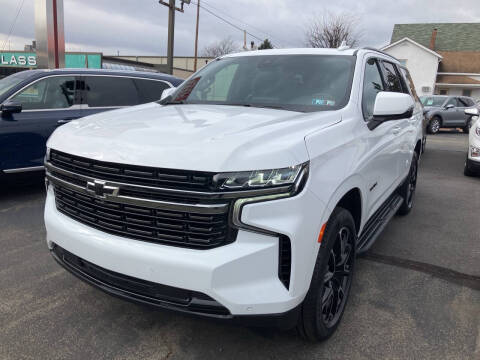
18	59
29	60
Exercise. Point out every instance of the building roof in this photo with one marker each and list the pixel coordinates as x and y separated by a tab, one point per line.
406	39
456	79
460	62
450	36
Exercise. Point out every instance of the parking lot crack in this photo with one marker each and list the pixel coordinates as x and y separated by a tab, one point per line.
452	276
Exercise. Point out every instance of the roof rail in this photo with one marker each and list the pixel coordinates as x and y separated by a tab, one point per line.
376	50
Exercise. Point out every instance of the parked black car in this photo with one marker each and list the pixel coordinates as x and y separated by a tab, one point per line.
34	103
442	111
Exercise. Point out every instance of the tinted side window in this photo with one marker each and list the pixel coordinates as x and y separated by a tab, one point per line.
451	101
391	77
56	92
150	90
372	85
109	91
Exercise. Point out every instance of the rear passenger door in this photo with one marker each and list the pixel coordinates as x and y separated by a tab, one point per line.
404	128
104	92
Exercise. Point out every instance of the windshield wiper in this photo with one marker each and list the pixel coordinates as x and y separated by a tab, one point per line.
173	102
269	106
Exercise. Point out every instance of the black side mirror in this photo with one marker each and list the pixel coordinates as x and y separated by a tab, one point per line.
10	107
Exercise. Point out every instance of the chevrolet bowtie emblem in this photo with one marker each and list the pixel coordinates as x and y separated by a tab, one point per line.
100	189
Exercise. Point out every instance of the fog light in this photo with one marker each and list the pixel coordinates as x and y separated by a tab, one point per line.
474	151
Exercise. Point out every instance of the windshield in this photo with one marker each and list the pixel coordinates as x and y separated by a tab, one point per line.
432	100
291	82
10	81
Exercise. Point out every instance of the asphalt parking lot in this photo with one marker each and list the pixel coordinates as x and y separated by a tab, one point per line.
416	294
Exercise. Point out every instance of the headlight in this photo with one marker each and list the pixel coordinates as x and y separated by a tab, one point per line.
258	178
474	151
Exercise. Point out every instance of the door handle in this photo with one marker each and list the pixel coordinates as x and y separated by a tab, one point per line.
396	130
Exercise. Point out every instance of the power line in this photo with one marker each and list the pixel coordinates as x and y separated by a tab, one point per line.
244	23
13	24
228	22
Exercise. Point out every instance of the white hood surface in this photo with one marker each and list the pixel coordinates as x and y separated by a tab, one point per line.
193	137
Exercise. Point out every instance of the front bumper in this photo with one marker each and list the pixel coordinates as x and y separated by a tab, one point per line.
241	277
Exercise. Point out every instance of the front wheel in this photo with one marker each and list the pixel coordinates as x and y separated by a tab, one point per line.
434	125
327	296
466	128
407	190
466	170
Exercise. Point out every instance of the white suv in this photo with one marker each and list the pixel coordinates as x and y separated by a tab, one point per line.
247	192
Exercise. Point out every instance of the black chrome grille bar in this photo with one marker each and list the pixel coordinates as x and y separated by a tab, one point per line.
155	204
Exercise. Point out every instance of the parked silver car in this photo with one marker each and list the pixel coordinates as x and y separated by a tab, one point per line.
442	111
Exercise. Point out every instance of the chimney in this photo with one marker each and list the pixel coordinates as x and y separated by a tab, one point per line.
432	40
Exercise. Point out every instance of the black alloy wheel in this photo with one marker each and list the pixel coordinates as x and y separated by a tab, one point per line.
407	190
325	302
434	125
338	277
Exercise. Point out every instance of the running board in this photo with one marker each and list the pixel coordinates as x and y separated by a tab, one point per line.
375	225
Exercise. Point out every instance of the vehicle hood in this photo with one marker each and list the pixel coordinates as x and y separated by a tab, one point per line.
194	137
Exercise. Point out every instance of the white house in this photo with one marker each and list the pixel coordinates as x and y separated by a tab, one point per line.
421	62
443	58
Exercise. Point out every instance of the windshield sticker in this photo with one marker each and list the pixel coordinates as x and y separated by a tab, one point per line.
316	101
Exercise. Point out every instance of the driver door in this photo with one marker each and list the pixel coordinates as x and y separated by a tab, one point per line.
46	104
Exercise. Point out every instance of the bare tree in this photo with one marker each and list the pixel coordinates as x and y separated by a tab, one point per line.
330	30
219	48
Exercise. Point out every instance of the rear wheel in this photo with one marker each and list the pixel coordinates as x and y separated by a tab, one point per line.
434	125
327	296
407	190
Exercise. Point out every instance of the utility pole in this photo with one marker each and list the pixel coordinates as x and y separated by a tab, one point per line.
171	28
245	40
196	37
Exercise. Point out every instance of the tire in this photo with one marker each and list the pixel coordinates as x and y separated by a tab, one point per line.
407	190
327	296
466	170
434	125
466	128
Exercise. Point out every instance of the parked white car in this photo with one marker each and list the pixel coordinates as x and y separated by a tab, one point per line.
245	194
472	163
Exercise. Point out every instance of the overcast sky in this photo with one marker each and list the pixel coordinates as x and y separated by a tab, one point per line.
138	27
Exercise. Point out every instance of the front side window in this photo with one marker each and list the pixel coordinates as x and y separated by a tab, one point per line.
56	92
392	78
452	101
372	85
291	82
110	91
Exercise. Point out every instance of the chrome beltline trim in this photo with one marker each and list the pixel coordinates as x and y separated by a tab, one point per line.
177	192
26	169
154	204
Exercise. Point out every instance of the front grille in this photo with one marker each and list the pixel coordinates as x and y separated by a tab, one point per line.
137	289
185	229
133	174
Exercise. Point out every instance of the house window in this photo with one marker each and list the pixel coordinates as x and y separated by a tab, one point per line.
443	92
466	92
